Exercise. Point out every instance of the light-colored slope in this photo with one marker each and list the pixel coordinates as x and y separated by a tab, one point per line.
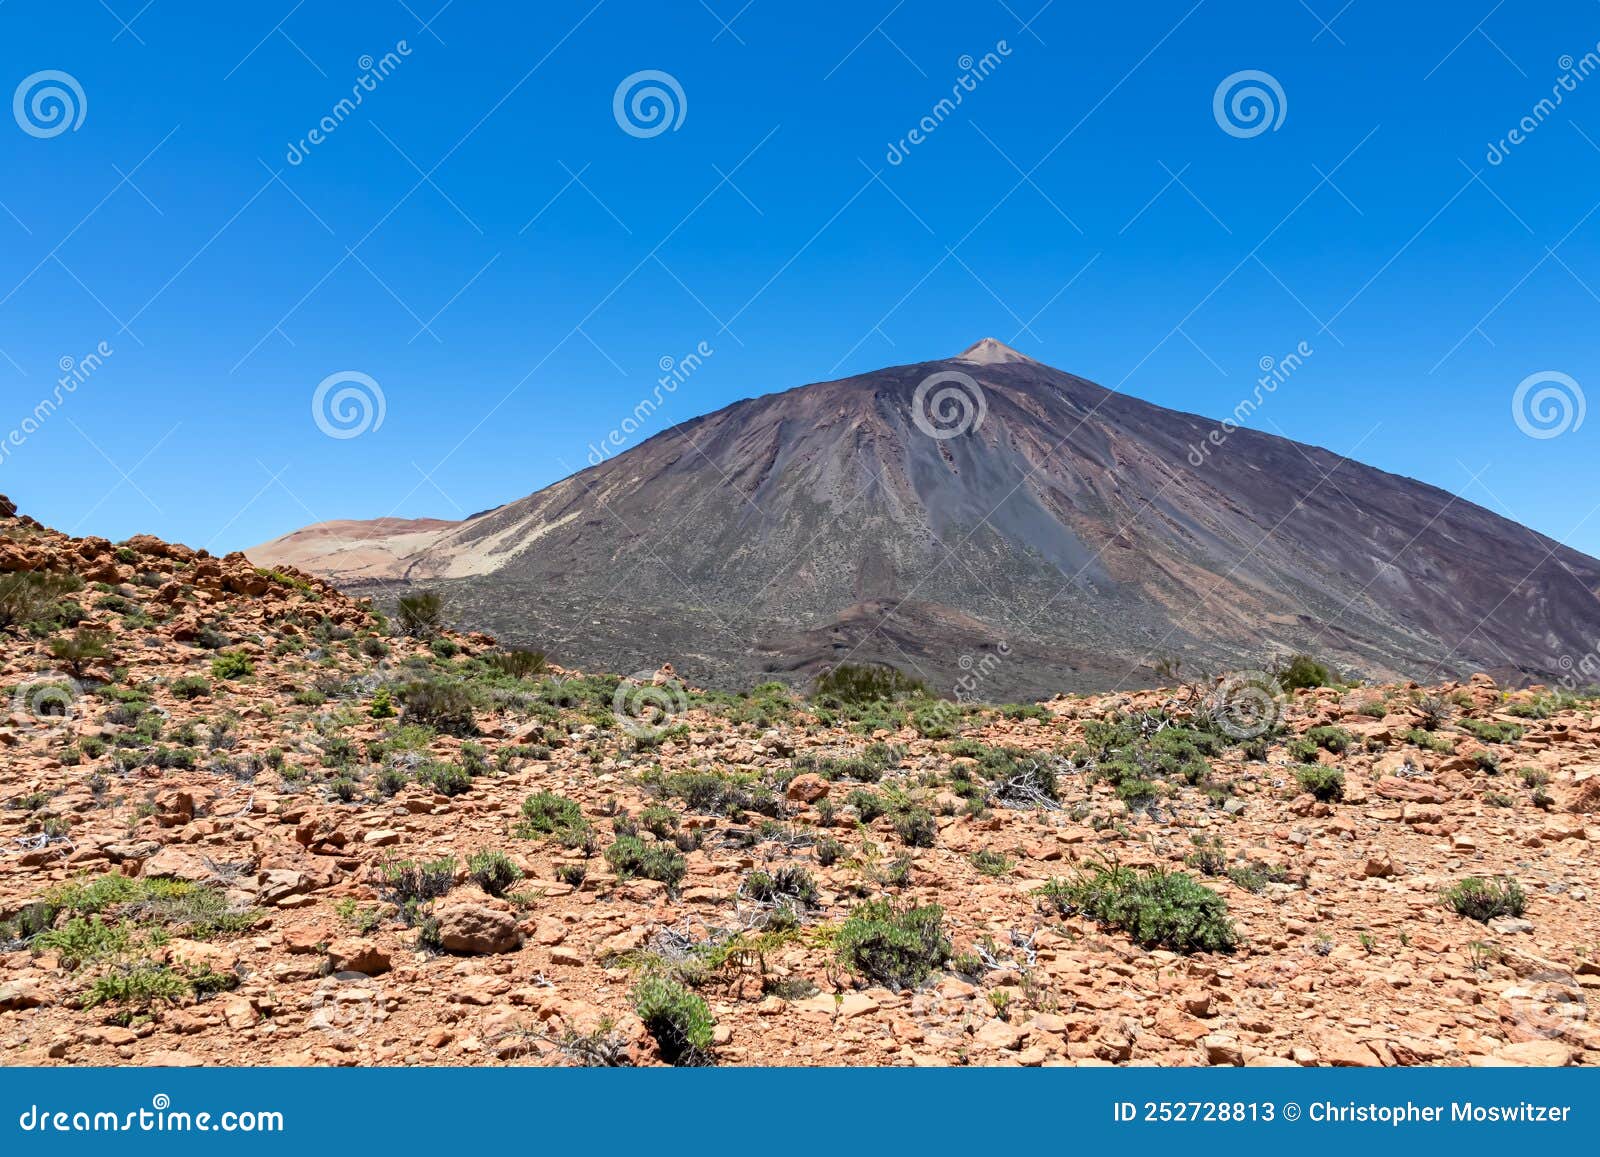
351	550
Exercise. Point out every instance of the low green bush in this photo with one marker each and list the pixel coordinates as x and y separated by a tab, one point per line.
893	946
1483	900
1158	908
680	1021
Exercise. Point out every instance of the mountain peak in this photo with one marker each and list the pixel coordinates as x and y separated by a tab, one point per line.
988	352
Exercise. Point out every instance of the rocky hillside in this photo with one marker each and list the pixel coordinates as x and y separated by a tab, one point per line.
924	514
246	820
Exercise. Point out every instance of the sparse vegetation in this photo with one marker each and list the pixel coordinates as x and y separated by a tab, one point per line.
420	613
893	946
1483	900
1321	780
1158	908
680	1021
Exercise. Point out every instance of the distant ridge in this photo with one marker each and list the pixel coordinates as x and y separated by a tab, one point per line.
928	515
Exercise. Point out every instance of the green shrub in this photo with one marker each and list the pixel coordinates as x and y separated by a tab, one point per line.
411	883
28	596
420	613
1488	732
83	940
916	827
868	804
1326	783
1334	739
444	706
851	683
893	946
1483	900
231	665
630	856
137	986
546	813
680	1021
1429	741
661	822
494	872
1302	671
991	863
449	779
516	663
382	705
1302	749
1157	908
191	687
789	882
80	648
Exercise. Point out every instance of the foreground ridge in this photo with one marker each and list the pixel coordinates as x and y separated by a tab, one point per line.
247	819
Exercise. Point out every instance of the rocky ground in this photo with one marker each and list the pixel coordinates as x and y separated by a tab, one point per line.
245	820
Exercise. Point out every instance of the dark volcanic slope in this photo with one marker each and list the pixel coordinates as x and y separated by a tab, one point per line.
788	531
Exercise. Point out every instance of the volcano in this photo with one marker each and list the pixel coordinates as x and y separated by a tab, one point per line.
1001	529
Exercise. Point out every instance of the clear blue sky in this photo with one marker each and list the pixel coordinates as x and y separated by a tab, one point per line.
515	305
